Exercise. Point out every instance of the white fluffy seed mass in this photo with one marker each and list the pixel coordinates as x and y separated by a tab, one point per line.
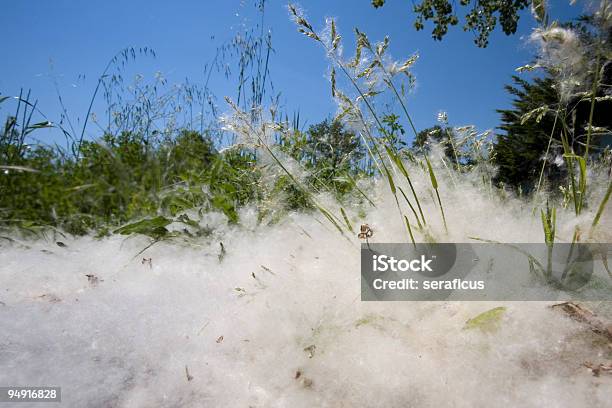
278	322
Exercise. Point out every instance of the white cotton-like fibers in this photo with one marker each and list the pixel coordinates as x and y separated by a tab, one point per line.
278	322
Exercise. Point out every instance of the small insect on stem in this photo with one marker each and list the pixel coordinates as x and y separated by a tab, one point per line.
365	232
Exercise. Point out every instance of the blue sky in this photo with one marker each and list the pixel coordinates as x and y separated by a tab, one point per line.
79	37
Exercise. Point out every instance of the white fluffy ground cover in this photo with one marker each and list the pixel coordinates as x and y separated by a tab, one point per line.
278	322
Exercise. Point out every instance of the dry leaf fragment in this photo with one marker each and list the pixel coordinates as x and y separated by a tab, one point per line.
598	369
584	315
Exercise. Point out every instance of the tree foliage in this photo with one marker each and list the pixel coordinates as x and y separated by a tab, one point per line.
542	104
481	17
518	152
329	152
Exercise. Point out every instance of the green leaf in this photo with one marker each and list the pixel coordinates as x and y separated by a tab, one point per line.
487	321
333	82
548	224
409	230
432	176
331	219
152	227
41	125
398	162
583	174
184	218
582	181
390	178
226	205
346	220
411	207
602	205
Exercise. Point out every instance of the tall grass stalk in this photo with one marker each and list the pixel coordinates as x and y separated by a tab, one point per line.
434	183
574	162
550	139
602	206
121	55
363	42
388	80
262	143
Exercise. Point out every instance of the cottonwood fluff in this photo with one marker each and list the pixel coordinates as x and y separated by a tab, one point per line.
278	321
